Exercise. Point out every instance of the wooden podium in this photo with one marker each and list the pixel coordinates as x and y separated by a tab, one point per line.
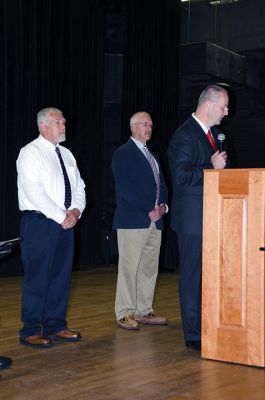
233	280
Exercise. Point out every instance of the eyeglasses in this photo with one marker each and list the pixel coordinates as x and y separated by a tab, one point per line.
145	124
223	109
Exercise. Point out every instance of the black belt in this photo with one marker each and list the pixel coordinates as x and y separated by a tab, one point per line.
31	212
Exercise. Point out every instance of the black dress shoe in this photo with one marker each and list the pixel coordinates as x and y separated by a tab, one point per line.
194	345
5	362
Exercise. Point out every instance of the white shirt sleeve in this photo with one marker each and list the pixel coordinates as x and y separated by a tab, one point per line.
41	183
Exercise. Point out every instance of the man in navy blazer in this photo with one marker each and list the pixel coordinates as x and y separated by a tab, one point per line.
193	147
141	202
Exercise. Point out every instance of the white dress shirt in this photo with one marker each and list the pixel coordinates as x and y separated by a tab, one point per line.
41	182
141	146
203	126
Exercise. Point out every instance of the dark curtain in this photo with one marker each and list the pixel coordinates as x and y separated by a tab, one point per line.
151	64
151	76
52	54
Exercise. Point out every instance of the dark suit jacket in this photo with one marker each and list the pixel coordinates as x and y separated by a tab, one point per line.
135	188
189	152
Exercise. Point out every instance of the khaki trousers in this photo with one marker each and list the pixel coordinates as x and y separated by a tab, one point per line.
137	270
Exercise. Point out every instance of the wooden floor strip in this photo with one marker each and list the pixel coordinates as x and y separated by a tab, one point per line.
111	363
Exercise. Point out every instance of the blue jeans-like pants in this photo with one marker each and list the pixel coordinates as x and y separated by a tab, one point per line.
47	255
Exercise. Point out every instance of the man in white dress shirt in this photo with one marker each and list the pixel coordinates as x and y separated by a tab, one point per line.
52	198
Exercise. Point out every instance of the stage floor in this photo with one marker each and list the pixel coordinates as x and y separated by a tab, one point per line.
111	363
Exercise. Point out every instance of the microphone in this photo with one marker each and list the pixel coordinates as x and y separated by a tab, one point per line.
221	139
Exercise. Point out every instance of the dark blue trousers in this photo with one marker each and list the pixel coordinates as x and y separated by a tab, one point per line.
190	276
47	255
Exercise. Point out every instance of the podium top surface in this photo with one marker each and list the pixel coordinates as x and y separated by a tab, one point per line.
234	169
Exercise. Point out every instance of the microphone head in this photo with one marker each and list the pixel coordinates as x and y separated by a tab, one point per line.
221	137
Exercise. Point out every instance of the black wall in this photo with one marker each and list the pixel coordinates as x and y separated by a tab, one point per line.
238	31
98	61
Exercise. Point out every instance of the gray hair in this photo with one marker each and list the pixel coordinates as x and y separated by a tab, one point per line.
42	116
210	93
135	116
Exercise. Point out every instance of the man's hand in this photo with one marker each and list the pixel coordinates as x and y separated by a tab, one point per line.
219	160
157	212
71	218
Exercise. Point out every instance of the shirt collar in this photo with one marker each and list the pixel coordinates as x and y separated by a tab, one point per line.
203	126
46	142
139	144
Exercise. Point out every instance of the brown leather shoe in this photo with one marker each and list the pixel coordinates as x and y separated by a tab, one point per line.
151	319
67	335
36	341
128	322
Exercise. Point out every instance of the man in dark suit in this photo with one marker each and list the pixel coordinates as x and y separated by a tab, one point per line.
141	197
193	147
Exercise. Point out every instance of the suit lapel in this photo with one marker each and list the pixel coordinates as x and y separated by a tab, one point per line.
140	158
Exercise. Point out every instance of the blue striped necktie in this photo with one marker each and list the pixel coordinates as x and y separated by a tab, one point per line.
155	170
67	193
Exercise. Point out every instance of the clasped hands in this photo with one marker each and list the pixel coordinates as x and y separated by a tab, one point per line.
71	218
157	212
219	160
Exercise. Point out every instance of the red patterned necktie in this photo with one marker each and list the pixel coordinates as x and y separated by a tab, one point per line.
211	140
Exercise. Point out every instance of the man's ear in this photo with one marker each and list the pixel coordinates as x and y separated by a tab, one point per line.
42	127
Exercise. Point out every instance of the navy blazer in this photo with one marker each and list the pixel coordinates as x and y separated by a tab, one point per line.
189	152
135	188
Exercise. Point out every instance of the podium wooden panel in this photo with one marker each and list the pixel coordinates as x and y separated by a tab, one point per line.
233	304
